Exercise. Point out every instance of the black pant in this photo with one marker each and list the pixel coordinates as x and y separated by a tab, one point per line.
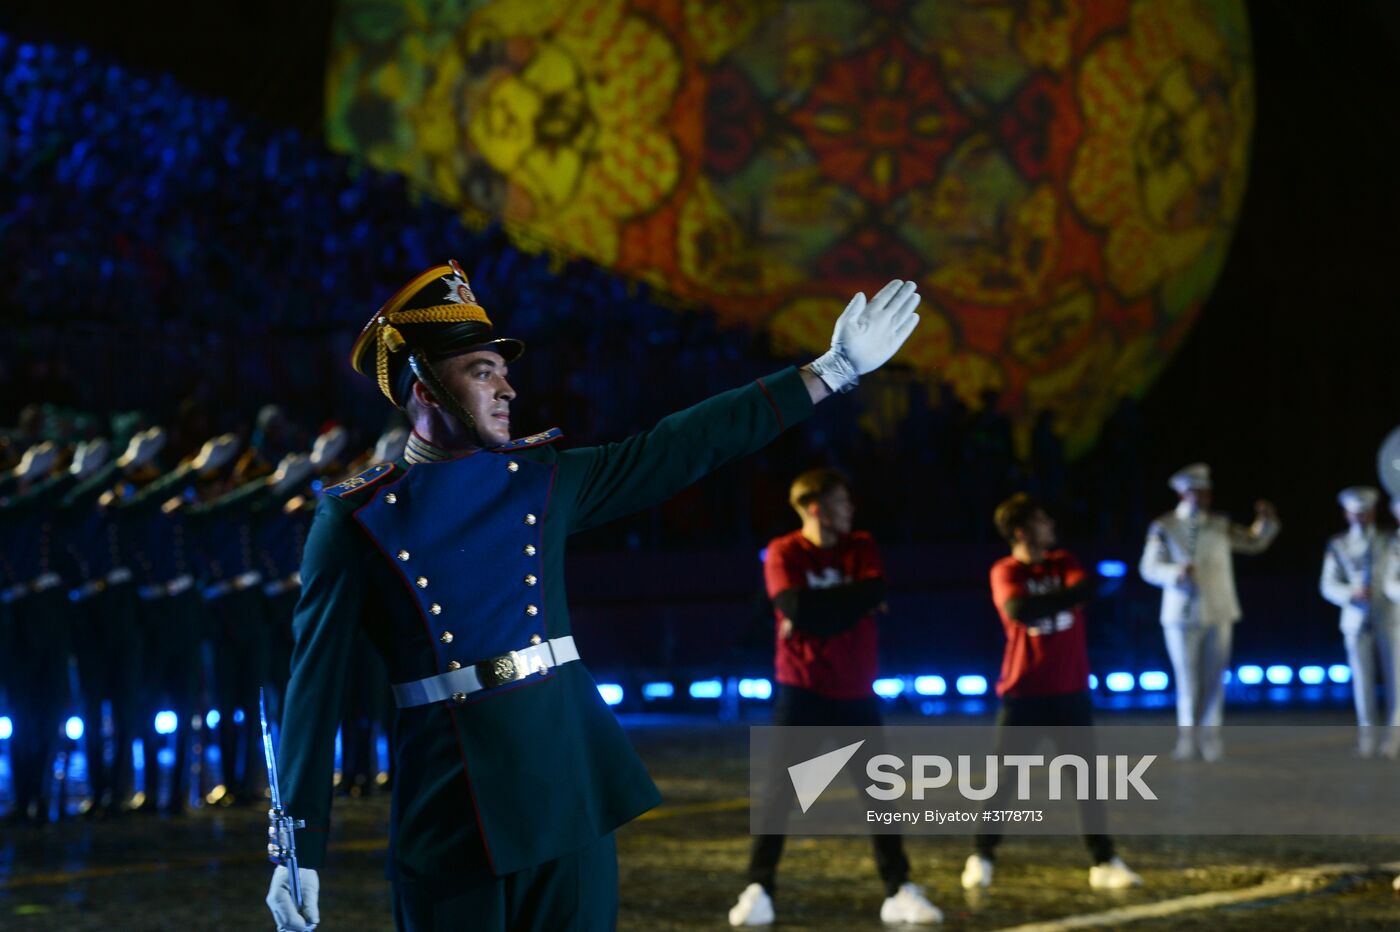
108	652
1021	725
171	631
240	631
577	892
796	706
37	682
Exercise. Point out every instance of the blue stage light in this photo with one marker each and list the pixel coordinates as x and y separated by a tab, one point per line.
1113	569
74	728
211	718
1279	674
1152	680
1312	675
972	684
166	722
888	687
1093	681
166	757
1119	682
611	693
706	689
1339	673
658	690
755	689
930	685
1250	674
763	555
7	727
238	716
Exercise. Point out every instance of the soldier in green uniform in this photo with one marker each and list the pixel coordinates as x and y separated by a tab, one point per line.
511	773
172	617
38	624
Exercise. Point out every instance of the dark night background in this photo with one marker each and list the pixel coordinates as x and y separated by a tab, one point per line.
1285	384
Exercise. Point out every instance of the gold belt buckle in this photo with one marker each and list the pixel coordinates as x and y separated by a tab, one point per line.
497	671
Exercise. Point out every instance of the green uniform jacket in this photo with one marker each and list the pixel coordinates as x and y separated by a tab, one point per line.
527	772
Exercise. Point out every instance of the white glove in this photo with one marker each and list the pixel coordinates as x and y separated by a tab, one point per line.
37	460
328	447
390	445
143	448
215	453
284	907
89	457
294	469
868	334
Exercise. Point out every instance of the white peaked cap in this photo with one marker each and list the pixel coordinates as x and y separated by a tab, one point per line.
1358	498
1195	476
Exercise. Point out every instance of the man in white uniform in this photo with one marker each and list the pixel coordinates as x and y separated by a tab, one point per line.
1188	555
1370	614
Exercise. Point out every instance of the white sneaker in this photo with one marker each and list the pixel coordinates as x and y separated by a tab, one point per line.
977	872
910	905
755	907
1113	875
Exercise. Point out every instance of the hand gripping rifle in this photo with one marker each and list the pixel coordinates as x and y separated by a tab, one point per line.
281	830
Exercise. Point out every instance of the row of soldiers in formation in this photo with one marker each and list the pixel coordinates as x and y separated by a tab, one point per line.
130	571
169	590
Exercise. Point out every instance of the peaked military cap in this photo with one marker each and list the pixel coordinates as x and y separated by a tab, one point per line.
1359	499
1195	476
437	315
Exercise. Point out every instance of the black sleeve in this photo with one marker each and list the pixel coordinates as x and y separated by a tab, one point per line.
1030	608
824	612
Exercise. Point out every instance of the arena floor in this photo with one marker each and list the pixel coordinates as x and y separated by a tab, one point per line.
682	866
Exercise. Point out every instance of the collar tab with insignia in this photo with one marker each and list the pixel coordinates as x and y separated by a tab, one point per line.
354	483
534	440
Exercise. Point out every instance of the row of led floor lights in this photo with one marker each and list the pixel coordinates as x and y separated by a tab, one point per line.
166	723
973	684
889	687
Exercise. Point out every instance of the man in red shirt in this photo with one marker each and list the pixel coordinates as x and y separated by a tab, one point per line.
1040	592
827	584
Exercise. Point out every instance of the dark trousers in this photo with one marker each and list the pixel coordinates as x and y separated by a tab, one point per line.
108	651
577	892
240	632
37	682
171	631
1021	725
795	706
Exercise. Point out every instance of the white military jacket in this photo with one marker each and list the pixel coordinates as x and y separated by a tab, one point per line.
1355	560
1206	541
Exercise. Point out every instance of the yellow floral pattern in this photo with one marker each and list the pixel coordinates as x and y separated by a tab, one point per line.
1061	177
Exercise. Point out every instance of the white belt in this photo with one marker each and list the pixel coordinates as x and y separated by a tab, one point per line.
486	674
250	578
279	586
87	590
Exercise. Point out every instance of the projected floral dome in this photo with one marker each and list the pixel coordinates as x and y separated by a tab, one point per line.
1060	176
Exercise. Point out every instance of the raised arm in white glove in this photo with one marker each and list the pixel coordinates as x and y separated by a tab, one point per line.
143	448
215	453
867	334
90	456
284	906
328	447
294	469
37	460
